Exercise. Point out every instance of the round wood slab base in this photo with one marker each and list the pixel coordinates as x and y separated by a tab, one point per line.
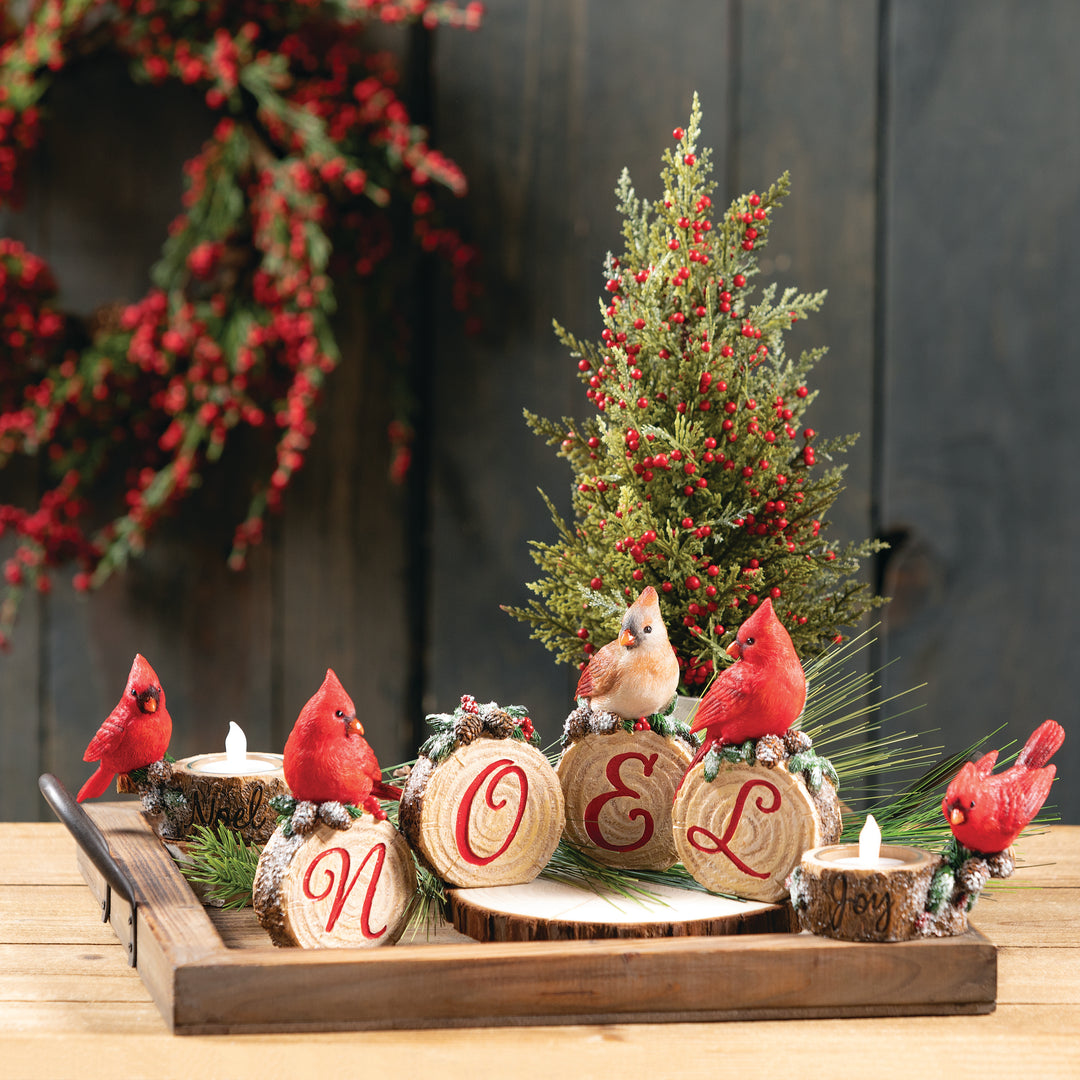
545	910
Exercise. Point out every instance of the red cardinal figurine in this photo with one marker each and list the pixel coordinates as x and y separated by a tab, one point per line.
987	813
327	758
637	674
135	734
762	693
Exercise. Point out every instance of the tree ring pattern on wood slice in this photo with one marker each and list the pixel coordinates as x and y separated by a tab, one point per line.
618	790
491	813
546	910
335	888
745	831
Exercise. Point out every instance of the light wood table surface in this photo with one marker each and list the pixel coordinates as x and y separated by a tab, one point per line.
71	1007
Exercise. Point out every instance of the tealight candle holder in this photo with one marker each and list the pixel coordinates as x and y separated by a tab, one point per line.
863	892
233	788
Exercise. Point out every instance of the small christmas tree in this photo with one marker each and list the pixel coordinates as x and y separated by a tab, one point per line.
694	473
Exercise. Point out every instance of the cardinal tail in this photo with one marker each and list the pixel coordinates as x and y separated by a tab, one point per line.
386	791
1042	745
96	785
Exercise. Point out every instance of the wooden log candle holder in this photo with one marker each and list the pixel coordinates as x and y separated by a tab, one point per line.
482	806
618	788
233	788
864	892
746	829
335	888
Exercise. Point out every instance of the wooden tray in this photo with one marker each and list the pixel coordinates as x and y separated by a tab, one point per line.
210	975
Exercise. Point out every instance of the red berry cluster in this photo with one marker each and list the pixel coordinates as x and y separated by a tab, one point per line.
293	188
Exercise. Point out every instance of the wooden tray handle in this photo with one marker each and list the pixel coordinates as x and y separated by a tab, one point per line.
91	839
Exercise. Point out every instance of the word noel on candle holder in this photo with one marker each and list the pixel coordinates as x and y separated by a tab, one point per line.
233	789
482	806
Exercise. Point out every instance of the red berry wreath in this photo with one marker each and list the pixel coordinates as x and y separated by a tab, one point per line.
312	149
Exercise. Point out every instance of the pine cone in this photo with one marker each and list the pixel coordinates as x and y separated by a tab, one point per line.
467	726
603	723
333	814
159	772
304	818
499	723
973	875
152	801
577	724
796	741
1002	864
769	750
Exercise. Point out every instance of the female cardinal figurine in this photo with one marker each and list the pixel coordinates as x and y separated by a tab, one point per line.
637	674
762	693
327	758
135	734
987	813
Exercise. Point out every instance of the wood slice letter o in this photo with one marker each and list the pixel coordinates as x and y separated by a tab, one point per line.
491	814
336	888
744	832
618	790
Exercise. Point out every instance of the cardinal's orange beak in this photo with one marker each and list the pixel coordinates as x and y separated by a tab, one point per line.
626	638
151	704
956	816
354	727
734	650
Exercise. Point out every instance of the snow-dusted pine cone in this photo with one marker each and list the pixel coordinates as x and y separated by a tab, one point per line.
577	723
159	772
973	875
605	722
304	818
335	815
769	750
796	741
467	726
499	723
152	802
1002	864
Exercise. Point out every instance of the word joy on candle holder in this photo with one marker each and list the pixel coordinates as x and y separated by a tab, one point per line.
863	892
233	788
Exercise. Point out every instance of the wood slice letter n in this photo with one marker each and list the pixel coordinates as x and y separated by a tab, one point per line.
336	888
744	832
618	789
491	813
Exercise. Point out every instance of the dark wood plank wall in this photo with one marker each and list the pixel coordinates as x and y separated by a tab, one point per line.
935	157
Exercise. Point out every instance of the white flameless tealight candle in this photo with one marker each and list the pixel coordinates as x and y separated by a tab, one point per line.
869	857
237	761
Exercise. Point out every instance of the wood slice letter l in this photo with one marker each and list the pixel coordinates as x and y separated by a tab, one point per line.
744	832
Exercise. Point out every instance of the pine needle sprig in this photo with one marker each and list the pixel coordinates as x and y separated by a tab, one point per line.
574	867
222	865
